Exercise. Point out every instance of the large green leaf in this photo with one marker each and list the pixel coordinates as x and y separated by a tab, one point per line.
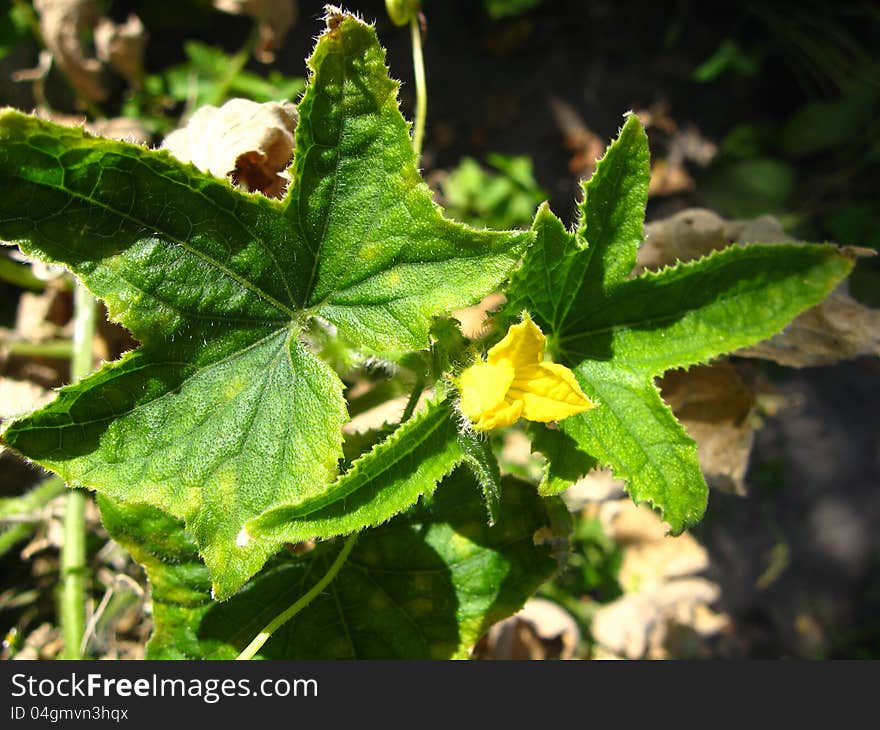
618	332
224	411
381	483
575	269
425	585
565	461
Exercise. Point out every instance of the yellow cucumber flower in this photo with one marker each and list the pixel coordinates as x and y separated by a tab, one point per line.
514	382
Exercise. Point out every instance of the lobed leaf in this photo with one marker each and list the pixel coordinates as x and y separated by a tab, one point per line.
565	462
617	333
689	313
385	481
635	433
388	260
425	585
564	271
224	411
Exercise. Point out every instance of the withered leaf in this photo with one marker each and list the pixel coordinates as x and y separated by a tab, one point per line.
715	406
251	142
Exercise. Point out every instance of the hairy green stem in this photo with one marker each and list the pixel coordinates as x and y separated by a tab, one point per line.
421	88
413	401
73	549
282	618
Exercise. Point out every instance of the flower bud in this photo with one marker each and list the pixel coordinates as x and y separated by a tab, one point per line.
402	12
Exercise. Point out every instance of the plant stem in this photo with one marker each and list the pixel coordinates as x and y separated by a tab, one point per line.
34	500
421	89
235	67
19	510
84	323
15	533
55	349
73	550
413	398
20	275
282	618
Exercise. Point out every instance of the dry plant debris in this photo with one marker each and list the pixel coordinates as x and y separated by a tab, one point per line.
251	142
674	146
275	17
717	408
65	25
540	630
665	610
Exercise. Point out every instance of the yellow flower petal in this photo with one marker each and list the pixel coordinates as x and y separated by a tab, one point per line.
548	391
515	383
522	345
483	387
505	414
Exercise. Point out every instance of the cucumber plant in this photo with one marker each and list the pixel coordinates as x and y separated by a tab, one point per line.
216	447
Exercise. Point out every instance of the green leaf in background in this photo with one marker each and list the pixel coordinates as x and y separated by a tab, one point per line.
499	9
748	188
426	585
224	411
505	197
618	333
205	79
15	25
821	126
729	58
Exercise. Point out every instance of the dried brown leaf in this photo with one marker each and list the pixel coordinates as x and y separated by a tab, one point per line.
687	235
64	24
274	16
630	524
715	405
837	329
669	179
42	316
121	46
21	396
474	320
540	630
672	147
654	623
251	142
664	601
584	144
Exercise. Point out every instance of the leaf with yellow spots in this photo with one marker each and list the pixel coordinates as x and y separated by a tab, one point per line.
426	585
224	411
